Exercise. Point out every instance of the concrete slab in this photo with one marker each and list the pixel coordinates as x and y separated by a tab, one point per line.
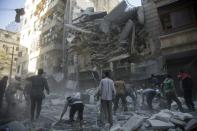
157	124
134	123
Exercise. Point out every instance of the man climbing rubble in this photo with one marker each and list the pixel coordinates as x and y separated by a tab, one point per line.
38	84
107	91
169	90
120	94
150	94
76	105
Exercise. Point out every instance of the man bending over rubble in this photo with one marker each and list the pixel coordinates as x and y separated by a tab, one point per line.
76	105
150	94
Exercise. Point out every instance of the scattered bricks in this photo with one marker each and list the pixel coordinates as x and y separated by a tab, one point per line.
157	124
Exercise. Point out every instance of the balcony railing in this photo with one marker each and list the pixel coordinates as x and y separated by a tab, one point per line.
179	38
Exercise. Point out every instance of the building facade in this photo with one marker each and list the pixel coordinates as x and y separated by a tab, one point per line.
41	34
9	46
173	27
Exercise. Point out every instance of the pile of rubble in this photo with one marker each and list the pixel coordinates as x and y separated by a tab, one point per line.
164	120
104	36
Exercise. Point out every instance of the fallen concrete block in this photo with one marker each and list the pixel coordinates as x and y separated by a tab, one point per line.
177	122
157	124
163	116
16	126
182	116
191	125
134	123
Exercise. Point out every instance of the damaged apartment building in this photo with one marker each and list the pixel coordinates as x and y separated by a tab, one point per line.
133	42
41	34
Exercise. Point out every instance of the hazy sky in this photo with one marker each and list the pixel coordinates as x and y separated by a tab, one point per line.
7	17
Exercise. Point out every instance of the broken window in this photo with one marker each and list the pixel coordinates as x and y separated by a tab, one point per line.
20	54
178	15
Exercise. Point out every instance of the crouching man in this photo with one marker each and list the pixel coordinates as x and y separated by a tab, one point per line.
76	105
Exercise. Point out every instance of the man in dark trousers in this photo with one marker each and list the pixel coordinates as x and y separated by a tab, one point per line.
76	105
120	94
39	83
187	85
150	94
3	83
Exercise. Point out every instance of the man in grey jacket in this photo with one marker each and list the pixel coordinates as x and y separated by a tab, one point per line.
107	91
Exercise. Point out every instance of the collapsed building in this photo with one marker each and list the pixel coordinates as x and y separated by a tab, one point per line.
133	42
116	42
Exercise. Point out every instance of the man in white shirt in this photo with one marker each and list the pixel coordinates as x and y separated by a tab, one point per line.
107	91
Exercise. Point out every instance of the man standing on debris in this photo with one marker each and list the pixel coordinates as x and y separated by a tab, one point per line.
39	83
3	84
169	90
187	86
107	92
76	105
120	94
150	95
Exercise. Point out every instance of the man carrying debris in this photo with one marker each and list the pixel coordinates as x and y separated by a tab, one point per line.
107	91
3	84
120	94
38	84
76	105
169	90
150	95
187	86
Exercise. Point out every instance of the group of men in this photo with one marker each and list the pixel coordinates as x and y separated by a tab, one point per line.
111	92
35	92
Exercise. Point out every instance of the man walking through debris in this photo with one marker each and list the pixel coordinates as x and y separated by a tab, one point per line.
187	86
107	91
169	90
3	83
120	94
39	83
150	94
76	105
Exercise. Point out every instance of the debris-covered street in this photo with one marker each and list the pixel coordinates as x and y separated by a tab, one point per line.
98	65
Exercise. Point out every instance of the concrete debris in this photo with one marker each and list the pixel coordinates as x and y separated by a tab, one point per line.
15	126
157	124
177	122
134	123
191	125
116	127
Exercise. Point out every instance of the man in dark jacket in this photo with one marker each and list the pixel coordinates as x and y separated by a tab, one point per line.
3	83
187	85
39	83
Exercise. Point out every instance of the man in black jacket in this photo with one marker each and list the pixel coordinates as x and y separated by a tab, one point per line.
187	85
39	84
3	83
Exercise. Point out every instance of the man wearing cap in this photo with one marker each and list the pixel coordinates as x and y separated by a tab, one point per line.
38	85
76	105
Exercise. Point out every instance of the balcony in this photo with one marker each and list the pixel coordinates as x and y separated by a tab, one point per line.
50	47
49	25
185	40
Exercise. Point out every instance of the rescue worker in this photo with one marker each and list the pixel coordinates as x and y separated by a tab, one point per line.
76	105
120	94
169	90
3	84
187	86
38	85
150	94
